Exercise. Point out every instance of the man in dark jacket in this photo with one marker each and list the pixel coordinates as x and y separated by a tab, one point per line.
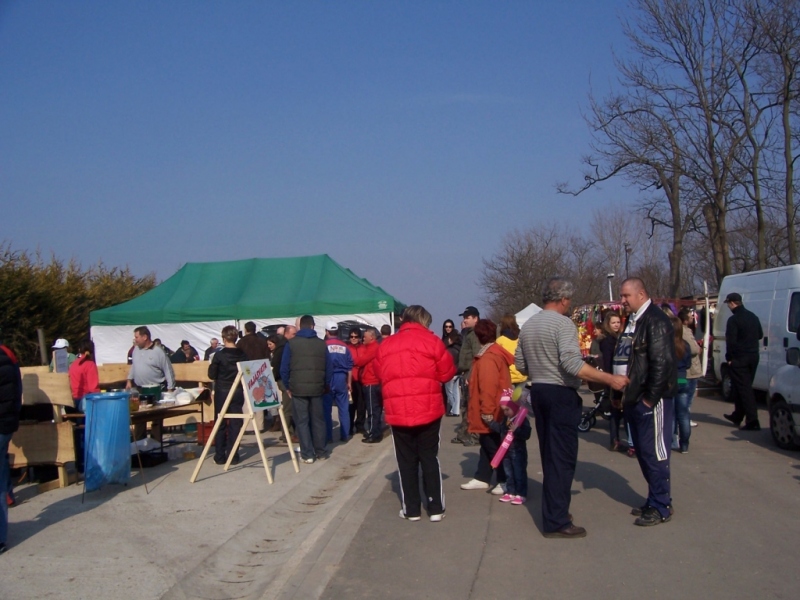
648	400
223	370
743	335
470	346
306	373
256	348
10	405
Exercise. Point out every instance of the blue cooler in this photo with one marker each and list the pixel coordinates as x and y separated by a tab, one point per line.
108	439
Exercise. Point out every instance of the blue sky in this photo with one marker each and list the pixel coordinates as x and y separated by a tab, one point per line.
404	139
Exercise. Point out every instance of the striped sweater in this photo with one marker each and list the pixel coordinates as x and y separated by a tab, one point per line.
548	350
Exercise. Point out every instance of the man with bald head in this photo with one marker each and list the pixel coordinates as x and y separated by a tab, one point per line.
648	341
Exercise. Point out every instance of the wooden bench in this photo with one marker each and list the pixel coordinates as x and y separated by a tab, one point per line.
45	443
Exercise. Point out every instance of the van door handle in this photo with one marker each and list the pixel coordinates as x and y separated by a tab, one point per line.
785	342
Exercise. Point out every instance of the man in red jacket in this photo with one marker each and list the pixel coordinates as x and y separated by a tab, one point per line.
370	387
412	366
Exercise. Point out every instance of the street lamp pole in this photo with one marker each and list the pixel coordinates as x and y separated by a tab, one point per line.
610	293
628	250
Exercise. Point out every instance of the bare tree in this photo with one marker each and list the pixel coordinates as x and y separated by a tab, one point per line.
512	278
777	27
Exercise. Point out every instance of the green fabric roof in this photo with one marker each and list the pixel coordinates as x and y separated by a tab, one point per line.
258	288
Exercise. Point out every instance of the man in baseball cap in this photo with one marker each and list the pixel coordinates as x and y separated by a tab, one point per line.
469	349
743	335
341	365
62	357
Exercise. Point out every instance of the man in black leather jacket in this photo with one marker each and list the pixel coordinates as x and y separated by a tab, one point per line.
648	400
743	336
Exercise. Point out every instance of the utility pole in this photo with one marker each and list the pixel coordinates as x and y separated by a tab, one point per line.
628	250
610	293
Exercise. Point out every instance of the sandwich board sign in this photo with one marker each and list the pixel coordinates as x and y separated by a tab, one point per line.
260	387
261	393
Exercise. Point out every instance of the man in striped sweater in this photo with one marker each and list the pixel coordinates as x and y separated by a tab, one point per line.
548	352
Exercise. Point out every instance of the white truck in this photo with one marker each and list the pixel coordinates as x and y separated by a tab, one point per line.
774	296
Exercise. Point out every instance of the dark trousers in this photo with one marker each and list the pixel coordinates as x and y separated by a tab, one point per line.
742	371
414	448
557	410
374	404
229	430
309	424
357	412
489	443
462	431
651	430
515	463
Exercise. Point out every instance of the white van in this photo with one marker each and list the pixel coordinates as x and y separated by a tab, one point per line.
774	296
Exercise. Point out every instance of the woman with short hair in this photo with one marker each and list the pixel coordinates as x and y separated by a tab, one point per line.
490	377
412	365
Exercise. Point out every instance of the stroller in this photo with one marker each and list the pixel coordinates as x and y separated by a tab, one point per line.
602	405
602	402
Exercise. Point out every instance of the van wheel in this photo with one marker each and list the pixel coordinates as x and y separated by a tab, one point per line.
781	424
726	386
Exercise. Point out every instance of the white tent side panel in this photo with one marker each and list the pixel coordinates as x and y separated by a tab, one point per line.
112	342
527	312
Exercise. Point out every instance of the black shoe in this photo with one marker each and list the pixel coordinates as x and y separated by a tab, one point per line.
235	460
456	440
220	461
3	548
651	517
637	512
370	440
732	419
571	531
751	426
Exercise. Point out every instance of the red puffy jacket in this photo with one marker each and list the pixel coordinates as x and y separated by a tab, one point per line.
412	366
365	362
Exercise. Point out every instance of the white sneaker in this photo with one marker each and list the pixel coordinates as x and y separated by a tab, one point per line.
309	461
693	423
437	518
498	490
403	516
474	484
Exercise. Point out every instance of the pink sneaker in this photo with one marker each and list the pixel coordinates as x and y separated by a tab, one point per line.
506	498
517	500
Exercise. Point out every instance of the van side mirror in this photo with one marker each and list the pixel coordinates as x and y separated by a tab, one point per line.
793	356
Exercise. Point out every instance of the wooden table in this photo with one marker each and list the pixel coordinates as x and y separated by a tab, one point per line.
156	415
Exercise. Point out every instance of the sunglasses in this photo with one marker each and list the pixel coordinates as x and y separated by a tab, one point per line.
355	337
448	326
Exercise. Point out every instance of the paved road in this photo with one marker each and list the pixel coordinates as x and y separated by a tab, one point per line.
734	535
332	531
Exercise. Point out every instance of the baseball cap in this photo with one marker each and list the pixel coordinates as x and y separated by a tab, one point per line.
470	311
331	326
60	343
733	297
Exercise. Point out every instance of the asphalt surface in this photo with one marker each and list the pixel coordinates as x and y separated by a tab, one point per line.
734	534
333	531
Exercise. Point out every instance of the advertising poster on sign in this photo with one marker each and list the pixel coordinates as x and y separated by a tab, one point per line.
259	384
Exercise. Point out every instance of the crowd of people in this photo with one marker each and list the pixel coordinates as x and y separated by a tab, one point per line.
490	376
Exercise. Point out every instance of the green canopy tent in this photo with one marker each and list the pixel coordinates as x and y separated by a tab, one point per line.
201	298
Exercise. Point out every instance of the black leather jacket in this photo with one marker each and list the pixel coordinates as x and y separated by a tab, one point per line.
652	366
